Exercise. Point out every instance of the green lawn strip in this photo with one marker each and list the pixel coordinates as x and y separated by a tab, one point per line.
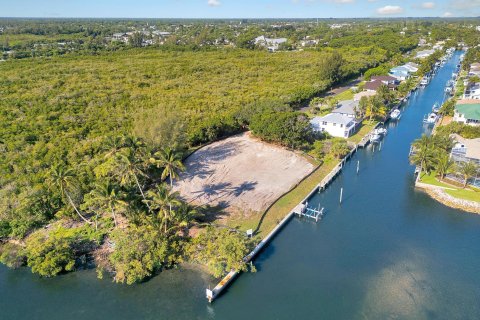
345	95
367	126
285	204
465	194
432	180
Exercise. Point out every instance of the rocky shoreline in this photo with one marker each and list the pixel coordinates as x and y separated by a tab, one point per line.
441	196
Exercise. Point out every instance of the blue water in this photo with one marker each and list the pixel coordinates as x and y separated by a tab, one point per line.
388	251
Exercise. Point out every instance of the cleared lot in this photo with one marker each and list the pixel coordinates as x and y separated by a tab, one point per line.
240	175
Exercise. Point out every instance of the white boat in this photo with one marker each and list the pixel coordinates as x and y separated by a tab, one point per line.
395	115
448	90
381	131
424	82
436	108
431	118
375	137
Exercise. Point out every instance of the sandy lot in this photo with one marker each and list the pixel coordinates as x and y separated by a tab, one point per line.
240	174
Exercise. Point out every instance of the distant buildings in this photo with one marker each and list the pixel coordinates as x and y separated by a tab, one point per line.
272	44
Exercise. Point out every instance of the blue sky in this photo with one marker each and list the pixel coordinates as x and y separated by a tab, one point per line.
238	8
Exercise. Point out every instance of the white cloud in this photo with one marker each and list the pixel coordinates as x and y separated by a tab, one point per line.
387	10
447	14
214	3
428	5
344	1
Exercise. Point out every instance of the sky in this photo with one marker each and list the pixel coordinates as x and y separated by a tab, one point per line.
238	8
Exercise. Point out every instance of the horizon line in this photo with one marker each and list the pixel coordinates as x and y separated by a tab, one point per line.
250	18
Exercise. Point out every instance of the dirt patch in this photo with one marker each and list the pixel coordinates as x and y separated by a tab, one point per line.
240	175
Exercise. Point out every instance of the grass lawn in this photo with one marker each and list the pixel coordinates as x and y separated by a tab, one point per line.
465	194
285	204
431	179
367	126
346	95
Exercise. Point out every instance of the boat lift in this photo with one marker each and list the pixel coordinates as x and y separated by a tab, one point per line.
314	213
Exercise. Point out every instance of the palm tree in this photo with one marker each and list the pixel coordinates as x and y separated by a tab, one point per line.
468	170
424	157
112	145
171	163
424	142
106	196
129	168
163	202
63	178
444	164
184	214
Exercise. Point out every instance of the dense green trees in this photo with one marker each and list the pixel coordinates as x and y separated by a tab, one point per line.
140	252
290	129
221	250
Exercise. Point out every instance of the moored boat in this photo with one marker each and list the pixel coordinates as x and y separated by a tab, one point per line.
395	115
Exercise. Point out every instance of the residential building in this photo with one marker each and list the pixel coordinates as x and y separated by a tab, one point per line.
424	54
467	112
346	108
472	91
465	149
334	124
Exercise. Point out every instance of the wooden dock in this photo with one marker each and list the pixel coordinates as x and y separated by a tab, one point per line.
301	209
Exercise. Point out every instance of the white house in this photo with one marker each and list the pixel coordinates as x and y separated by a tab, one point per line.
334	124
424	54
346	108
472	91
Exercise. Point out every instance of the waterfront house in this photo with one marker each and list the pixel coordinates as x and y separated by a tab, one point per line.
335	124
400	73
424	54
472	91
465	149
346	108
474	69
372	86
467	112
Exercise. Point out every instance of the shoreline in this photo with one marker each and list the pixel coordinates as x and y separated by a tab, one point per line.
438	194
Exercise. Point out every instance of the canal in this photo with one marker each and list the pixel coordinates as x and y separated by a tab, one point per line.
388	251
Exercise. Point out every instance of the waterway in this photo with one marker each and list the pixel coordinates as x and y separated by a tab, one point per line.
388	251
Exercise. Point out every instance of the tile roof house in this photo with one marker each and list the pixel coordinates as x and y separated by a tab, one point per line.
465	149
372	85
